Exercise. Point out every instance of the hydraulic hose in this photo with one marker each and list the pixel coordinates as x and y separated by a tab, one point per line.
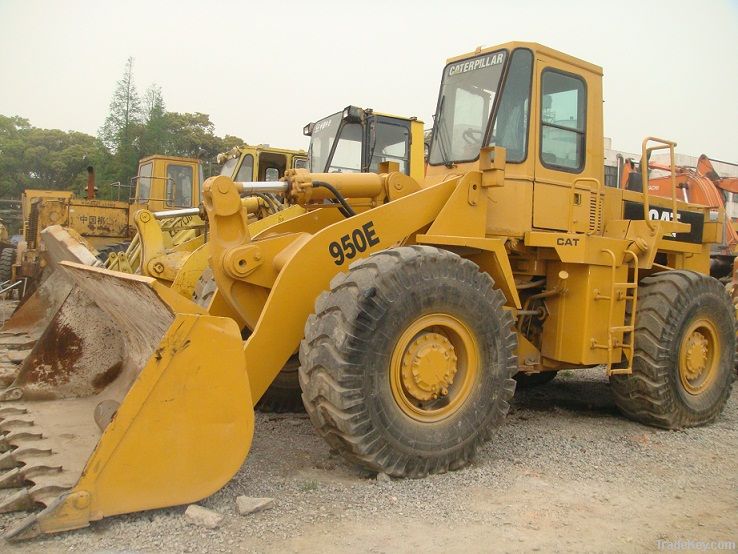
345	208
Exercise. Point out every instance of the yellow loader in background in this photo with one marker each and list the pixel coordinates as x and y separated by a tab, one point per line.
161	183
244	163
164	195
413	305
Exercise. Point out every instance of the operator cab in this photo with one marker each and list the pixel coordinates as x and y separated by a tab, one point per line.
542	107
357	140
260	163
167	182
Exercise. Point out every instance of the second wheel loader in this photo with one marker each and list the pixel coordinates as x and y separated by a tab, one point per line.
412	303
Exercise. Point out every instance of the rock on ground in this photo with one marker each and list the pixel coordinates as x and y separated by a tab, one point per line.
249	505
197	515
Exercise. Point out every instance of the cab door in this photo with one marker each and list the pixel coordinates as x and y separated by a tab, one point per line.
180	185
565	193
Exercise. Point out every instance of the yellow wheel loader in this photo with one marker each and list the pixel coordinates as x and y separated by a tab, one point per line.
412	303
242	163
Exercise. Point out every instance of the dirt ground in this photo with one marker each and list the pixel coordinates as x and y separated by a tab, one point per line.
565	472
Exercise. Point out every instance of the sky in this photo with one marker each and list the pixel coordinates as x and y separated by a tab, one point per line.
262	70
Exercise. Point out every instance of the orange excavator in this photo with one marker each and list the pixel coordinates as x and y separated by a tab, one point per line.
699	185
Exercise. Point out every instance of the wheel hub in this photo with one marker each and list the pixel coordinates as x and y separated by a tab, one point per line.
429	366
696	355
699	356
434	367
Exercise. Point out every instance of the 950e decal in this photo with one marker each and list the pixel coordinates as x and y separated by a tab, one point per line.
352	243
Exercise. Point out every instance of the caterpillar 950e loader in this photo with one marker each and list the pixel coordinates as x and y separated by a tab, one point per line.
413	305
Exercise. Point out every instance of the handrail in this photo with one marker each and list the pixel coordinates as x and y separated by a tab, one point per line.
598	203
645	155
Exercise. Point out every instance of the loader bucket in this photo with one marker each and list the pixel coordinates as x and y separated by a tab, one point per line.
158	414
24	328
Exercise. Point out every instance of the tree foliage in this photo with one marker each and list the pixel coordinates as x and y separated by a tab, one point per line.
121	131
155	132
43	158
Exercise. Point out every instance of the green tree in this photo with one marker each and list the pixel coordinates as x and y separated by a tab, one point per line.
12	145
31	157
122	129
190	135
155	131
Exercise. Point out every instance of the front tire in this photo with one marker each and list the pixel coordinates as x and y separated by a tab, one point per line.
684	352
407	362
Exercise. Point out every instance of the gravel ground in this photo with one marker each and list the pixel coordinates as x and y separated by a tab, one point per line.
565	472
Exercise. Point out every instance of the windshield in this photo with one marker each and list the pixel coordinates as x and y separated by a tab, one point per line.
467	95
321	141
228	167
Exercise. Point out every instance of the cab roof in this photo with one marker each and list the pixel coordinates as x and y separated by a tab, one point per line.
535	48
169	159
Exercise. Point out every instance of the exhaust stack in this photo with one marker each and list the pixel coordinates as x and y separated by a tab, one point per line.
90	182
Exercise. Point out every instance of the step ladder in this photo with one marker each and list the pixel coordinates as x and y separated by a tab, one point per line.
620	292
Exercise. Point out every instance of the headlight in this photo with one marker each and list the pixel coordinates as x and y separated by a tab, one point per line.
353	114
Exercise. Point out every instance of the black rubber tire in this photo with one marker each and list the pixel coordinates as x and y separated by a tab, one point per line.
528	380
667	305
345	359
284	394
104	253
7	259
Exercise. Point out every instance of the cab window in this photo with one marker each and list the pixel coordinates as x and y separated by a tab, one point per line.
271	174
144	182
300	163
510	128
179	185
347	154
246	171
391	144
563	102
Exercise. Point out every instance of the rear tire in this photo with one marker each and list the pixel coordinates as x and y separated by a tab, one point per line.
684	352
407	363
7	259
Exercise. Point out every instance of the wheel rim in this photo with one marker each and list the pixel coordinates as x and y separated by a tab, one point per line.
434	366
699	356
